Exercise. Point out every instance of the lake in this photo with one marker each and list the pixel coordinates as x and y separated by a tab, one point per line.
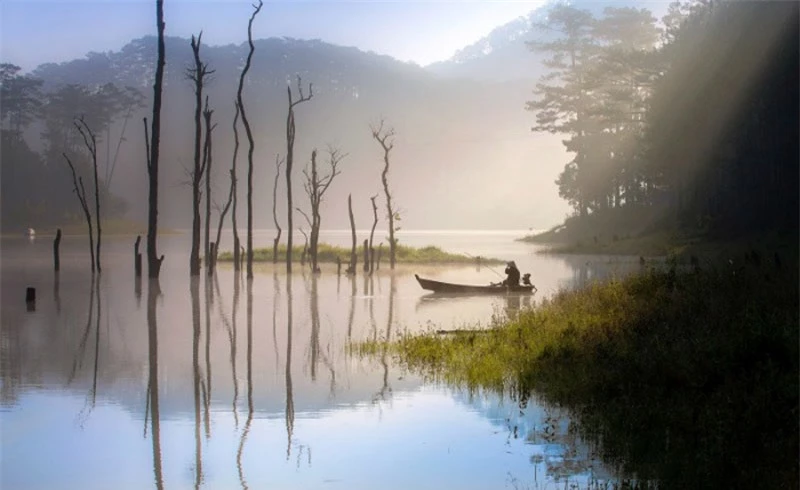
237	384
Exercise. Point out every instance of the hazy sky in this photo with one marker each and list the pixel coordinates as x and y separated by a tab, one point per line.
423	31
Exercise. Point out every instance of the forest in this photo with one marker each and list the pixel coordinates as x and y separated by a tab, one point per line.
691	128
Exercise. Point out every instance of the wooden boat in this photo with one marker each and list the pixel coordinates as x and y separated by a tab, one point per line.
446	287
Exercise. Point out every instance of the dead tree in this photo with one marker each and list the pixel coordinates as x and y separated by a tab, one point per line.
80	191
198	75
153	260
246	123
290	134
207	163
385	137
372	233
315	186
90	141
236	262
278	163
353	258
213	261
305	247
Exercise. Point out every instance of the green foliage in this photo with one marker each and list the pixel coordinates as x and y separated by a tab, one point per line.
329	253
685	378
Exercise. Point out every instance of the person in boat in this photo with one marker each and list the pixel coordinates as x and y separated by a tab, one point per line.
513	274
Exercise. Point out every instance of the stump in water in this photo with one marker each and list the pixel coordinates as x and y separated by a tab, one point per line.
30	298
137	257
56	245
338	266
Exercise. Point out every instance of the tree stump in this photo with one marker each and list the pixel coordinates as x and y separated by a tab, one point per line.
56	245
137	257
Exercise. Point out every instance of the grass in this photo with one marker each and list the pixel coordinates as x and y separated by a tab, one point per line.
405	254
684	378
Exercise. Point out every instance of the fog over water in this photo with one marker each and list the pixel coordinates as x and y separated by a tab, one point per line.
266	398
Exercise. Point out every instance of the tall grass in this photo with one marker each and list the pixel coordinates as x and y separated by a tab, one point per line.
405	254
689	379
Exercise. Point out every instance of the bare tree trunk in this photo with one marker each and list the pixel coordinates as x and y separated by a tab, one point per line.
352	268
80	191
208	159
234	191
386	139
213	264
277	240
153	261
366	255
315	187
372	233
56	245
305	248
257	9
90	141
198	75
290	134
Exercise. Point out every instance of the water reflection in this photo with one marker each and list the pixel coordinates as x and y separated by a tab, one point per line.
80	353
230	328
198	462
249	421
289	389
117	371
386	390
152	381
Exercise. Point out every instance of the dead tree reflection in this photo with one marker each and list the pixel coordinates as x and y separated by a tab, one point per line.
195	291
314	328
352	279
317	353
92	397
289	393
276	293
152	392
230	328
386	389
57	287
77	362
249	421
209	300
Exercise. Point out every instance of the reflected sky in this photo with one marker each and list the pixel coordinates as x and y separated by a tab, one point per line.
248	384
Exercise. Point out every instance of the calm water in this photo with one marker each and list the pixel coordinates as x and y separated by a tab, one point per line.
249	386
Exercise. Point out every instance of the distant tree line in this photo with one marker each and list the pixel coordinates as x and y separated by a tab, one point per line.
35	180
692	124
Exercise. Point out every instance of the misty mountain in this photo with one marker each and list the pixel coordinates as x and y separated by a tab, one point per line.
464	155
503	54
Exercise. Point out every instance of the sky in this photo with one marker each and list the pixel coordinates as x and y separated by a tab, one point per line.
420	31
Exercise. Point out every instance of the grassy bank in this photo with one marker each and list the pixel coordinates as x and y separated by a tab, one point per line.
405	254
686	379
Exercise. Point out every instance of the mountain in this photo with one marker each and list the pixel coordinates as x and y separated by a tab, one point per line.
503	54
464	155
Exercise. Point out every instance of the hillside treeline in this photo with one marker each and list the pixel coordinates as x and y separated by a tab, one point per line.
689	125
